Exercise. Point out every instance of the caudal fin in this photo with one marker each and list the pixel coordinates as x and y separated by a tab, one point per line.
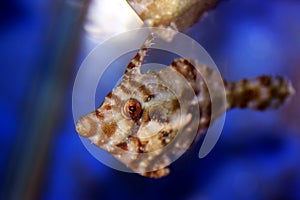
260	93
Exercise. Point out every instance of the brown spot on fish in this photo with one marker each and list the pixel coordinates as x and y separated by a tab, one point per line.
123	145
109	95
99	114
185	68
146	92
137	57
134	144
263	105
175	104
148	98
134	83
130	65
145	118
107	107
251	95
125	89
109	128
164	137
264	80
158	173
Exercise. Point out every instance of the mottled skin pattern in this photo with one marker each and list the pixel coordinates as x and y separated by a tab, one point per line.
141	120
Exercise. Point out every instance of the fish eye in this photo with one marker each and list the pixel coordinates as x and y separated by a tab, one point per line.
133	109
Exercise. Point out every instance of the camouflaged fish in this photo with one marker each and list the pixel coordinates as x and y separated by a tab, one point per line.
142	123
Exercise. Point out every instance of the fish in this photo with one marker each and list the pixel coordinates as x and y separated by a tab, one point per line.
146	121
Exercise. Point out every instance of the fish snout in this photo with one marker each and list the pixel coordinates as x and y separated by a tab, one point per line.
86	127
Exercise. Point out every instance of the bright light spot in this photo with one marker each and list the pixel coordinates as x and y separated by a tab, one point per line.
109	17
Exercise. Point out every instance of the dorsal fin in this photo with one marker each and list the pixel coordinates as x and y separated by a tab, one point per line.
134	66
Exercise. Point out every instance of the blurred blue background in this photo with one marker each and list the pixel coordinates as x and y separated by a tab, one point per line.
41	156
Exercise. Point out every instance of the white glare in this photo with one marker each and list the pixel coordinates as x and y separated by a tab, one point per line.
108	17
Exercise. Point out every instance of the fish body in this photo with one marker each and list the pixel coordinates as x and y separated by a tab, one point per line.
143	124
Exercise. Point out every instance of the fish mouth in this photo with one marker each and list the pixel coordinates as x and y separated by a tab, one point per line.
81	128
85	126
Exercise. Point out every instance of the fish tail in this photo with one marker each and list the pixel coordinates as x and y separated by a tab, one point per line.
260	93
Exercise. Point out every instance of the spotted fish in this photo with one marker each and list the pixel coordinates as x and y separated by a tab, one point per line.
143	124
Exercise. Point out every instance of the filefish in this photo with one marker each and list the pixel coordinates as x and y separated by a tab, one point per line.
142	122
